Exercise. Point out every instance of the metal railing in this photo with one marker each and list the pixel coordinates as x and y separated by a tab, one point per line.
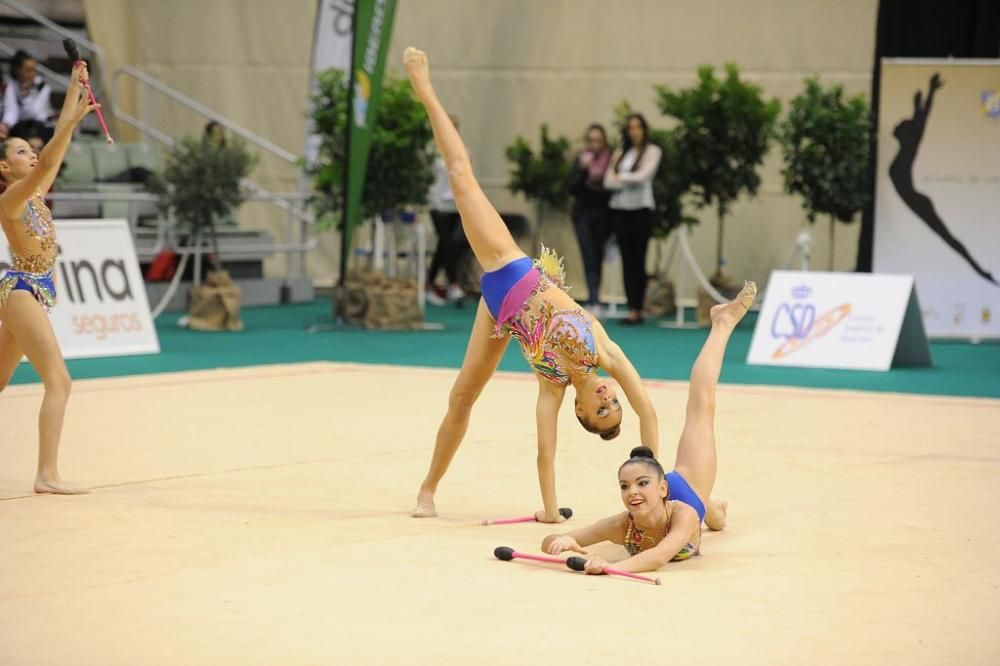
166	236
181	98
284	203
291	204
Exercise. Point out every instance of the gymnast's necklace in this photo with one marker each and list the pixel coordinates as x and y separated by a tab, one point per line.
643	538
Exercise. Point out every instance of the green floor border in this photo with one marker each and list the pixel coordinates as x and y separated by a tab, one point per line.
279	335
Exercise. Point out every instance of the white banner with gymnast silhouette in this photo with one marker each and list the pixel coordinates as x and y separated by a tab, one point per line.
937	205
857	321
101	308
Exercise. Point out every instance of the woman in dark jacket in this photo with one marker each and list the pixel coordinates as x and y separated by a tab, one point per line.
591	217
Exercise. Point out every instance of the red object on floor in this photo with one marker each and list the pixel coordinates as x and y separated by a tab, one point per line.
163	267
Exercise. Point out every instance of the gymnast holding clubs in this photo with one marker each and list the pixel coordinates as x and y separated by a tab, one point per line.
525	300
663	512
28	290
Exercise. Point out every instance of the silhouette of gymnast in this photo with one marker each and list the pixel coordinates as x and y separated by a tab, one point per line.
909	132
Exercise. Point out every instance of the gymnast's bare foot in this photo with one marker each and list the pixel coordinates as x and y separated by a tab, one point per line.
419	70
715	518
56	486
425	505
730	313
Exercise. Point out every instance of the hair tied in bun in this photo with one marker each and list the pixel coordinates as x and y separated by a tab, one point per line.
642	452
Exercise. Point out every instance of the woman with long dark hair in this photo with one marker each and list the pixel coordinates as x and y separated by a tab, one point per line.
630	178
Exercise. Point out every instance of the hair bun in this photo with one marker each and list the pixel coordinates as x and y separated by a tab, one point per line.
642	452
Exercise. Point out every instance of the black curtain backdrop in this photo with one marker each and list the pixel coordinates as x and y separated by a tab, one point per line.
923	29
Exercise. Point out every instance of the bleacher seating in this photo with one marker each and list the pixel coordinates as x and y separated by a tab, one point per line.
92	165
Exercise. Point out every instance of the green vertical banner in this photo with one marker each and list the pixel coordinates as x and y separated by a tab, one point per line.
372	29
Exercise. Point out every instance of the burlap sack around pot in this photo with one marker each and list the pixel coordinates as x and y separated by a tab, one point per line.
215	304
379	302
661	300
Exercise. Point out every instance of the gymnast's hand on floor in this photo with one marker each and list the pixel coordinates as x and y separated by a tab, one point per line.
595	565
542	517
563	543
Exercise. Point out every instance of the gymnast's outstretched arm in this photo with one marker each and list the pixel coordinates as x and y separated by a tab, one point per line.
607	529
614	362
550	398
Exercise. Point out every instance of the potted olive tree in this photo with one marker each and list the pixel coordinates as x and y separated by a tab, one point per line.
824	139
541	177
200	183
398	176
724	128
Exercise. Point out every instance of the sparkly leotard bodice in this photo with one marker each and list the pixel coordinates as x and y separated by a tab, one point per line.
637	540
555	342
33	252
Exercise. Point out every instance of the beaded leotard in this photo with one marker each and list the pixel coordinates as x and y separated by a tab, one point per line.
33	251
548	336
637	540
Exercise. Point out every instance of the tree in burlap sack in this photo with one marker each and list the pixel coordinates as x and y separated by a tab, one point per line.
541	177
201	183
397	178
824	139
724	129
382	303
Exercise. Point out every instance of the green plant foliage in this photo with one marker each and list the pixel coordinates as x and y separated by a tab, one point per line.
724	128
201	183
541	178
201	180
824	138
399	162
723	133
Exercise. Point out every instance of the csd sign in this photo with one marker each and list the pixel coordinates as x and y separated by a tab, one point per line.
838	320
793	320
796	323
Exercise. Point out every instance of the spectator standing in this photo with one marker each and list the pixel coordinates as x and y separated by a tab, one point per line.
630	178
590	213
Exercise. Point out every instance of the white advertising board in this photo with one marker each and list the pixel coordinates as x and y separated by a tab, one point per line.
839	320
101	307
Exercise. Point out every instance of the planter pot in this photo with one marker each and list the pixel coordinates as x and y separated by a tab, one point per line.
215	304
378	302
661	299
